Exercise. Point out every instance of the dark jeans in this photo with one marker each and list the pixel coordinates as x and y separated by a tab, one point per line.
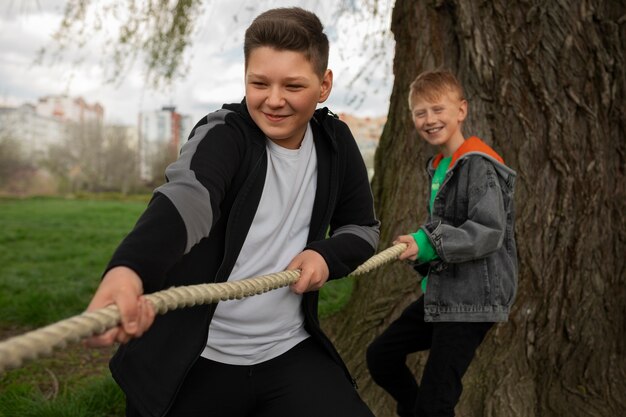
452	347
303	382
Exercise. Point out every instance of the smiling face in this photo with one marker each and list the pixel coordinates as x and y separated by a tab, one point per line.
439	120
282	92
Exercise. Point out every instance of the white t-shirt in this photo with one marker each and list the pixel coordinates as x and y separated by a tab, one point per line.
258	328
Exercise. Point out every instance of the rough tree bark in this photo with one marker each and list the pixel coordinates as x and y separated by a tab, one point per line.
546	87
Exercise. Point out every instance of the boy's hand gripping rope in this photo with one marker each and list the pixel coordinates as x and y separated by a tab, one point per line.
41	342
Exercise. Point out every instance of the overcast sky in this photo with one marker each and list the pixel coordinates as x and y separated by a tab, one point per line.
216	58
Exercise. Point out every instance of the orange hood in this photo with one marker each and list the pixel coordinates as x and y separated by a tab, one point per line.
471	145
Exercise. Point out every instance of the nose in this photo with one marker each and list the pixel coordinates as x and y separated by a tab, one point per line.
429	118
275	98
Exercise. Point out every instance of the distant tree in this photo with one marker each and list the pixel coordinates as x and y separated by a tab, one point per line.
78	160
159	157
95	158
120	161
13	163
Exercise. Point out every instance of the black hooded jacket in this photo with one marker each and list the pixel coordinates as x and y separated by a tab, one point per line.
195	225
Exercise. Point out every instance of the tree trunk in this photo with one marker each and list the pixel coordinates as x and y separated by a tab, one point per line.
546	87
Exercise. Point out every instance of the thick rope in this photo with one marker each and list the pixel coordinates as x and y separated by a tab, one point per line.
15	351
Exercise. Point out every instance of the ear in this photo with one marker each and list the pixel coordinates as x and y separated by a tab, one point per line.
326	86
462	111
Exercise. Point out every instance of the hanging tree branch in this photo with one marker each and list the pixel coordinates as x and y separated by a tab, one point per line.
158	30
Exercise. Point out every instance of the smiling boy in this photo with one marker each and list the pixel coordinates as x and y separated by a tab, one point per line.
255	190
465	252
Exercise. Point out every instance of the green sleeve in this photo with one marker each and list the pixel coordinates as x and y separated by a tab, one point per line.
426	251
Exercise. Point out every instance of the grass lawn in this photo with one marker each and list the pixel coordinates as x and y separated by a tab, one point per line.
52	253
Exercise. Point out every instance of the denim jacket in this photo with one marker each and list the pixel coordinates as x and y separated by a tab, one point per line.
471	228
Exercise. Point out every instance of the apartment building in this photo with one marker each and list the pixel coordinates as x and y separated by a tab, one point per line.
70	109
34	132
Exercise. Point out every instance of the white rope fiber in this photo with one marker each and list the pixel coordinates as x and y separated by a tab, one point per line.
15	351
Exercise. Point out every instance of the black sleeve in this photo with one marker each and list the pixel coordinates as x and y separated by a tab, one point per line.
154	245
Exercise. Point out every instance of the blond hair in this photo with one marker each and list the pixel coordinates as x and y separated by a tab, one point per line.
431	85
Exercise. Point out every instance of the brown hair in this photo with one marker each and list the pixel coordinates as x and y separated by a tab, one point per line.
290	29
431	85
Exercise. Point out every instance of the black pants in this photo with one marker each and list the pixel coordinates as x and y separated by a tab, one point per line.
303	382
452	347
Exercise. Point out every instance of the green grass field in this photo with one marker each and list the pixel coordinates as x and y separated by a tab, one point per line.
52	253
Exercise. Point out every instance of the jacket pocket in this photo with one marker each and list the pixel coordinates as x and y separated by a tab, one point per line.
465	286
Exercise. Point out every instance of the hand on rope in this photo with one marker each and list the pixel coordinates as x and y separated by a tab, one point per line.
411	250
15	351
313	271
123	287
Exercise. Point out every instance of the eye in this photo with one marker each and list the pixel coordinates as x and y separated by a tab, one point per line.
419	114
294	87
438	109
258	84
